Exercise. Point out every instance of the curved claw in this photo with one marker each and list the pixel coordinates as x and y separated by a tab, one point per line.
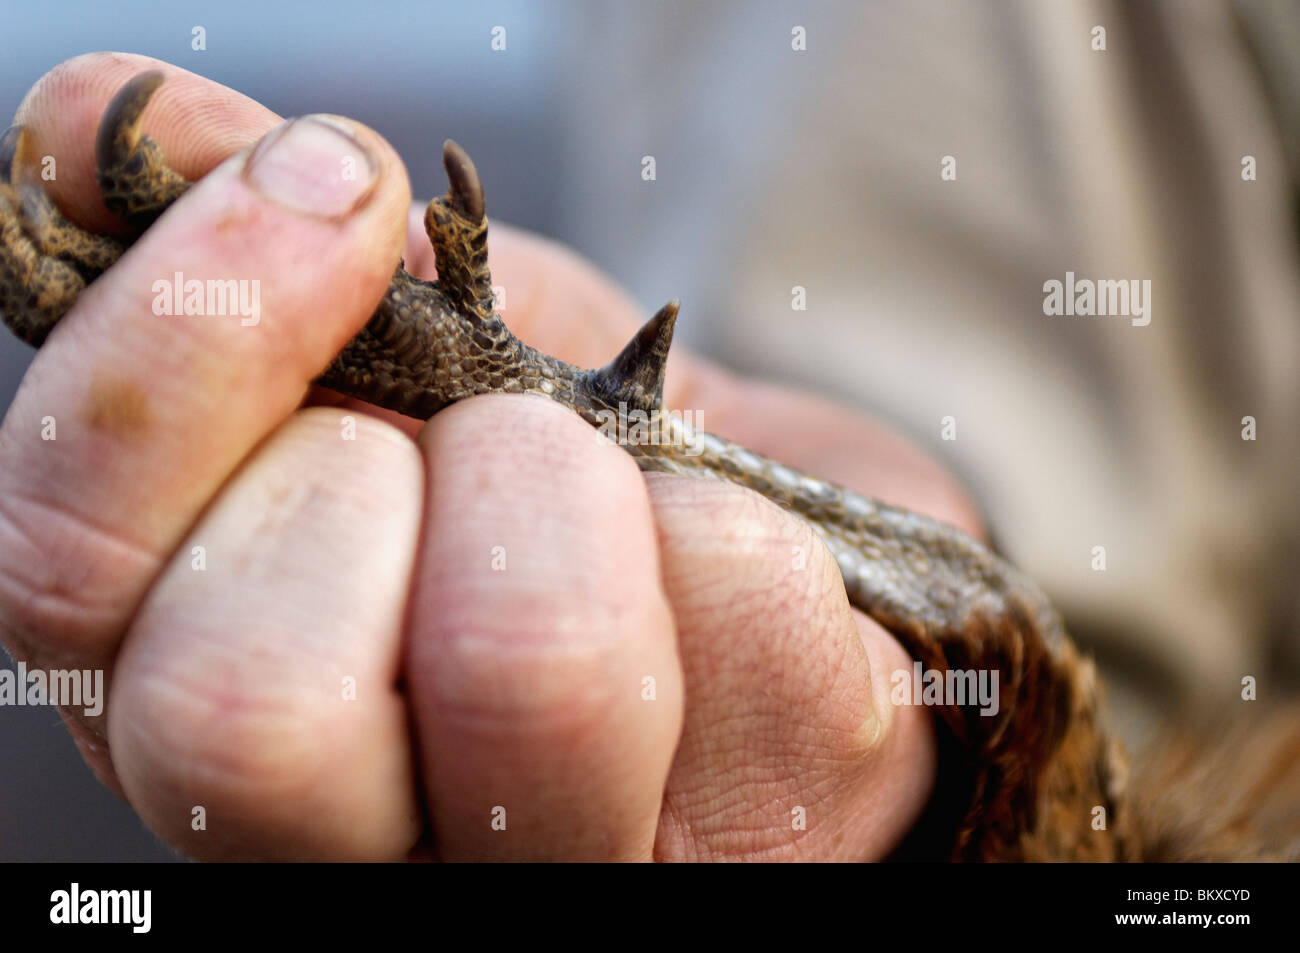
466	189
119	128
637	374
10	145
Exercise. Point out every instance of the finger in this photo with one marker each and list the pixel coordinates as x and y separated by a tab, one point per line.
255	708
153	412
791	748
198	123
542	663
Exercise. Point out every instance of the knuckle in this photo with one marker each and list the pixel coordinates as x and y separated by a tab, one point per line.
568	666
219	736
65	582
722	535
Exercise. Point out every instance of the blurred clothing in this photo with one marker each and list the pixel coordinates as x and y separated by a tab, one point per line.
925	297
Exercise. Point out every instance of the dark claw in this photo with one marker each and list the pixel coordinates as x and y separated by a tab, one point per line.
638	371
466	189
9	146
119	129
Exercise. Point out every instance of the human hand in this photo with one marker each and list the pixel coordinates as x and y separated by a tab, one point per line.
332	562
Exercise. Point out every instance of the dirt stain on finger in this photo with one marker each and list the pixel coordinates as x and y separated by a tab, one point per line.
117	406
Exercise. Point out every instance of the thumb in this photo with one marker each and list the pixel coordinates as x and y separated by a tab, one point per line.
206	334
292	243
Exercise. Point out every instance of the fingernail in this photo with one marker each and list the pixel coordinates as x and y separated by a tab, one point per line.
313	164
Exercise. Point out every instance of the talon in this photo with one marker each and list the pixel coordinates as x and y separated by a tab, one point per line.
134	180
466	189
638	371
11	144
119	128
